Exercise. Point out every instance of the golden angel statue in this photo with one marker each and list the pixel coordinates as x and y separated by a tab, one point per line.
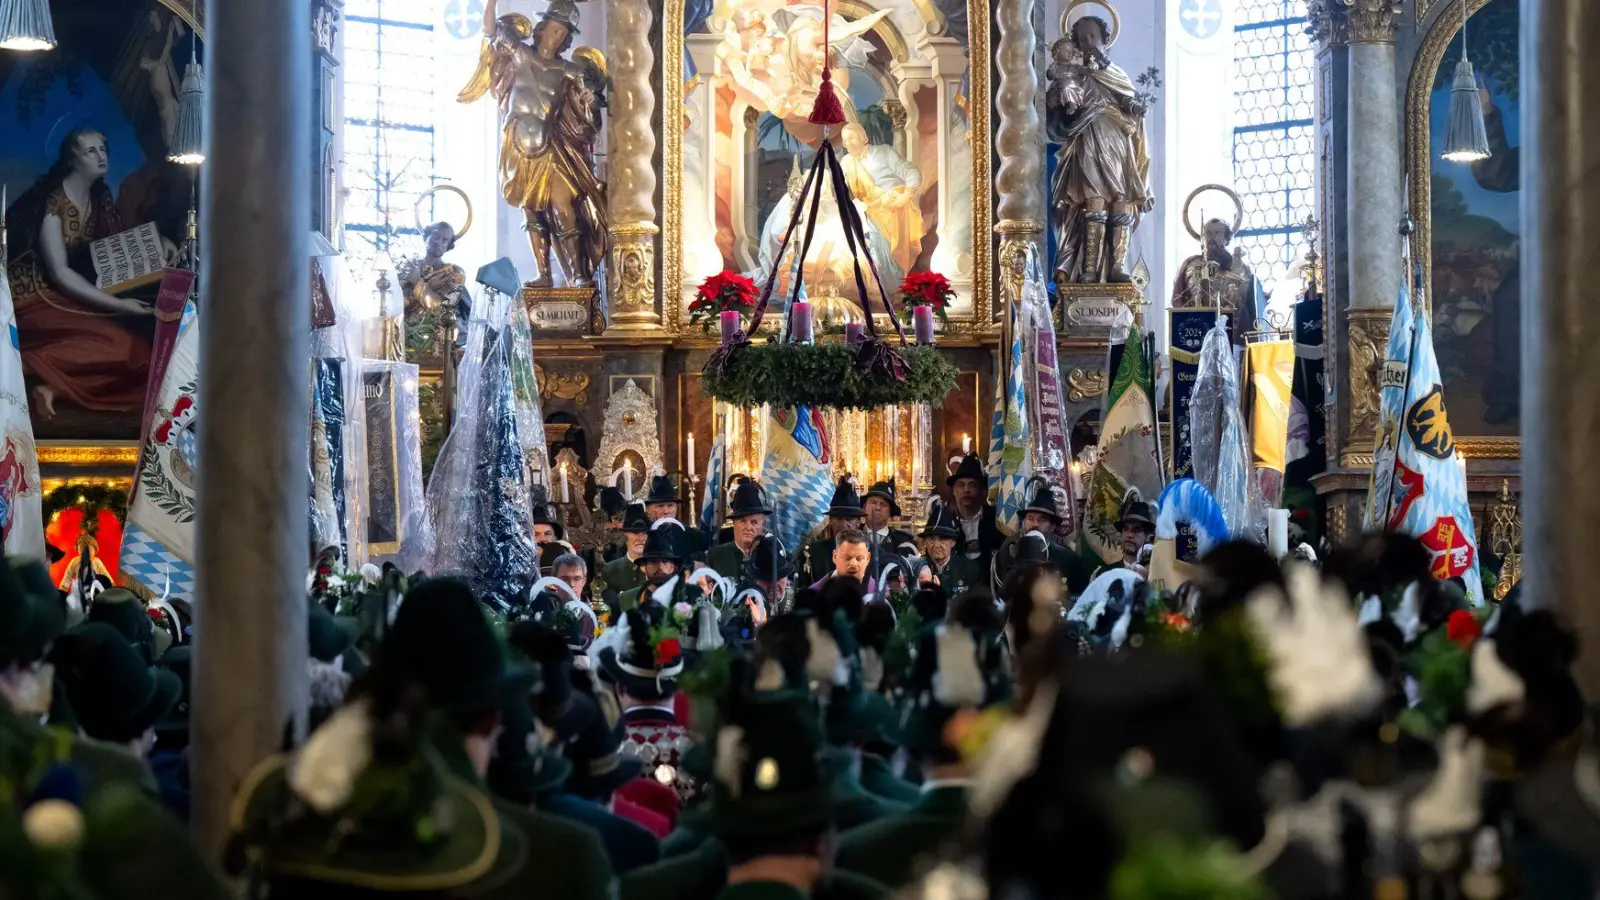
1102	181
550	118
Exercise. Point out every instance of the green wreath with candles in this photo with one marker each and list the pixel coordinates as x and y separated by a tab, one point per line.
828	376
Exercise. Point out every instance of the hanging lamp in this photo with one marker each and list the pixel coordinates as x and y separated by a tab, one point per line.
1466	139
188	138
25	25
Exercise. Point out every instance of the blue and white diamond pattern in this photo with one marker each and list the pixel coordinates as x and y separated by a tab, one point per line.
144	560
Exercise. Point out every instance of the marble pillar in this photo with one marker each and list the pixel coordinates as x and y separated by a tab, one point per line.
632	276
252	556
1019	144
1560	319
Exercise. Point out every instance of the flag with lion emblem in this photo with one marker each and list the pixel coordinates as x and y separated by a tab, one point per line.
21	520
1128	457
1427	496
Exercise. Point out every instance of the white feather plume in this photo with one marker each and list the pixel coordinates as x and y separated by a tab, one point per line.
662	596
1408	615
550	581
324	772
825	664
1371	611
664	520
1320	665
958	681
730	759
371	574
1452	802
1493	682
871	669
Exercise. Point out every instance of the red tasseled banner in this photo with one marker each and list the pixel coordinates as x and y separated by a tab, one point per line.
827	110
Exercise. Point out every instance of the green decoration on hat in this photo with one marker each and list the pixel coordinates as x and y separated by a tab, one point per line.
769	770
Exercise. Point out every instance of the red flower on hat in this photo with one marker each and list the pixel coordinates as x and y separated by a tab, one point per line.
1463	628
156	615
667	651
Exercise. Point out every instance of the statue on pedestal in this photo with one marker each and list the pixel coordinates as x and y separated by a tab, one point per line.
550	118
1218	277
1101	186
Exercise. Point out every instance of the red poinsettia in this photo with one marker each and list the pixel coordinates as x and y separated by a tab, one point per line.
667	651
1463	628
926	289
719	293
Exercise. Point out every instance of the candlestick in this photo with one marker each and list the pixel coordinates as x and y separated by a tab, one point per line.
922	318
966	443
691	453
800	322
855	332
566	493
731	326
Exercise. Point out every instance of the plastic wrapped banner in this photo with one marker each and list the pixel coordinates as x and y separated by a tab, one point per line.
328	376
1187	328
21	517
1052	454
1221	457
398	529
525	388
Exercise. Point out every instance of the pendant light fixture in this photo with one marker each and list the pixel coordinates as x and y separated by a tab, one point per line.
25	25
1466	139
188	147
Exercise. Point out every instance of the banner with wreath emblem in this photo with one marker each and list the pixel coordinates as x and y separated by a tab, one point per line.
158	541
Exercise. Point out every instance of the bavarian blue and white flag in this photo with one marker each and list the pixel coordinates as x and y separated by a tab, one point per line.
1428	496
21	520
716	474
1009	466
1392	400
796	473
158	540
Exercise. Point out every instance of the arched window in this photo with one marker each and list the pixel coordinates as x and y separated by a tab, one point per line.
388	122
1273	149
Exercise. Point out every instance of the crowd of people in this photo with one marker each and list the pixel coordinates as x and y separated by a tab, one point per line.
955	713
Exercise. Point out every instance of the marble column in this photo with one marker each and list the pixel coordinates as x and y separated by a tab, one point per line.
632	277
250	611
1019	144
1560	320
1374	206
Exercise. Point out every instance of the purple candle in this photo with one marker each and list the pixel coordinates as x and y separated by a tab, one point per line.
922	318
731	326
855	332
800	322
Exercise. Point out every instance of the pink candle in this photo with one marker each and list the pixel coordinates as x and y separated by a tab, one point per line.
922	317
855	332
731	326
800	322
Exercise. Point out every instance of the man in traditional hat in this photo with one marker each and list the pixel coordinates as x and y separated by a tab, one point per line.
612	506
663	560
957	667
622	573
1041	515
546	528
662	503
944	563
1137	527
763	586
881	510
442	640
748	513
969	487
645	668
845	514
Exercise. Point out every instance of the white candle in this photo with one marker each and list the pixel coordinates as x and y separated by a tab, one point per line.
691	453
627	478
966	443
1278	533
566	492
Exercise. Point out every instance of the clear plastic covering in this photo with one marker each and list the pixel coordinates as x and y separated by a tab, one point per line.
398	528
478	494
1049	446
337	458
525	391
1221	454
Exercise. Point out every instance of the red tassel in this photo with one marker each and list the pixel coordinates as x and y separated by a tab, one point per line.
827	110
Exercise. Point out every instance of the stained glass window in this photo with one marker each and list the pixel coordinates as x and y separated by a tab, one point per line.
388	123
1273	149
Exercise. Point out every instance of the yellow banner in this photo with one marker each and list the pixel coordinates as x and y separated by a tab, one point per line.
1271	375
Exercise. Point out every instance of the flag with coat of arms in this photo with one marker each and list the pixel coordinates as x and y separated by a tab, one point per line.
1129	458
1419	484
158	540
796	473
1009	466
21	518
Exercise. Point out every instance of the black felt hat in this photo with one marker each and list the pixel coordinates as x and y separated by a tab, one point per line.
955	665
31	616
1043	501
645	668
662	490
766	557
611	500
179	661
884	490
541	516
115	695
771	770
634	519
942	523
122	610
1136	512
846	502
748	500
970	467
664	544
442	639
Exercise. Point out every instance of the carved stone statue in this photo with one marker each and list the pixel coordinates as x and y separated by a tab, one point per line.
431	282
1101	185
1216	278
550	118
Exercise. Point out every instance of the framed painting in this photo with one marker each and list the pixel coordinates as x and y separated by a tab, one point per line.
1469	234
